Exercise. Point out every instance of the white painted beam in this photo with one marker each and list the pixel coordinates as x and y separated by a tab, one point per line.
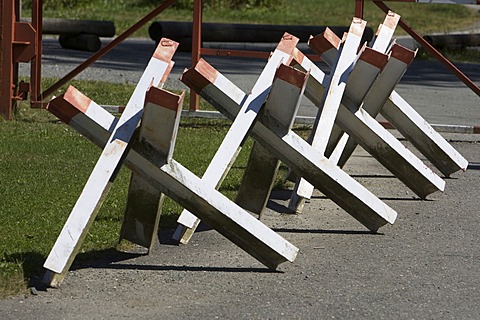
261	170
367	67
386	149
328	107
423	136
228	150
400	59
384	35
103	174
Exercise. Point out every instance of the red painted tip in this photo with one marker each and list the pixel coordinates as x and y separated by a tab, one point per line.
164	98
68	105
403	54
165	50
391	20
199	76
291	75
357	27
373	57
324	41
288	43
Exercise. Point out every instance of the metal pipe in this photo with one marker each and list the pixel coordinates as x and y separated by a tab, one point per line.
36	63
453	41
196	36
359	6
73	27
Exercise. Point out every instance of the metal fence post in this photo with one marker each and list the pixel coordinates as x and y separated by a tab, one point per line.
6	58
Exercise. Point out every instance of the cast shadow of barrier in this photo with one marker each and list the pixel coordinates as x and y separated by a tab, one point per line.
150	267
473	166
31	263
284	195
328	231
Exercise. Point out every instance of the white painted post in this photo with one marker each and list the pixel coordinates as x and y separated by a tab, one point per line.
175	181
326	46
400	59
422	135
83	115
156	140
144	202
103	174
329	105
228	150
282	104
293	150
385	32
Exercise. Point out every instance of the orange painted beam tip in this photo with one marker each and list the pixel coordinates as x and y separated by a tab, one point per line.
324	41
166	49
291	75
164	98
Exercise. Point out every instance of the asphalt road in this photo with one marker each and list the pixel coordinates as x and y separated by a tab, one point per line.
425	266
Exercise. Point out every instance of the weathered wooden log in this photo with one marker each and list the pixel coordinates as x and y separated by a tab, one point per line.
454	41
84	42
223	32
73	27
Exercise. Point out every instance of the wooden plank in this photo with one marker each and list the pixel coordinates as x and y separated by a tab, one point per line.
175	181
83	115
385	32
262	167
103	174
293	150
367	67
228	150
217	211
86	120
381	43
400	59
423	136
158	131
144	202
